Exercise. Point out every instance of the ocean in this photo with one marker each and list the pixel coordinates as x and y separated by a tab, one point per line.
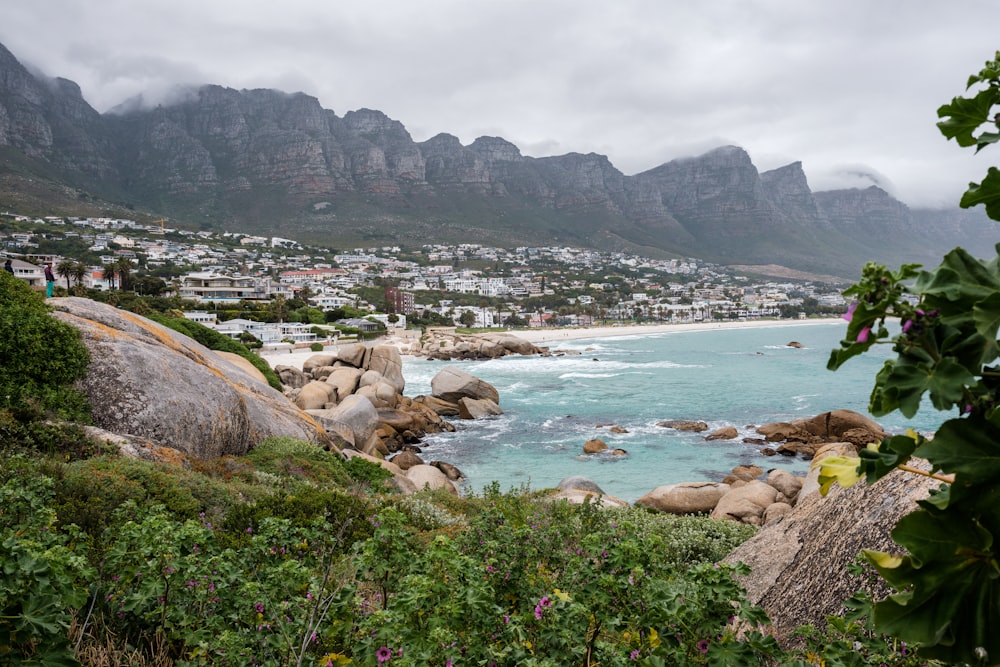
726	377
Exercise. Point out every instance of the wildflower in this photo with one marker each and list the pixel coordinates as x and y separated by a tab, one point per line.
863	334
850	311
545	602
538	612
702	646
259	607
447	663
383	654
634	655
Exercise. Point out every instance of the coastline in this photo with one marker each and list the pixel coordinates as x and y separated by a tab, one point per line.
555	335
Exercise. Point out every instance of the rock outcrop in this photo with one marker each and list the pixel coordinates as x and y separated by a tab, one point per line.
148	381
799	566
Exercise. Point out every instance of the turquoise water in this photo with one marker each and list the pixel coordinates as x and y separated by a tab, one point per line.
728	377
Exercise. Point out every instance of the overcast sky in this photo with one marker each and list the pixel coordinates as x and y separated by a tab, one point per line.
849	88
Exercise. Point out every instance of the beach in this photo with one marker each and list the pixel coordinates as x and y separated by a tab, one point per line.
551	336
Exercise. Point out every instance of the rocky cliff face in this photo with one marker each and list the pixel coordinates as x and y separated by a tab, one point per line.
263	160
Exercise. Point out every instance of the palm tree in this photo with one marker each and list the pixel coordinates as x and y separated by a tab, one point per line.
65	270
79	272
110	270
124	266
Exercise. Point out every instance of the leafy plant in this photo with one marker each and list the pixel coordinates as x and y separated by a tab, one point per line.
42	357
948	581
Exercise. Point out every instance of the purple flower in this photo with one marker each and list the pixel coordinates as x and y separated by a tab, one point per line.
259	607
634	655
545	602
538	612
850	311
383	654
863	335
907	325
702	646
447	663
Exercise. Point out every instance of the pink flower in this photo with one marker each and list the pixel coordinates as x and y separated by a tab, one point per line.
863	335
850	311
383	654
703	646
634	655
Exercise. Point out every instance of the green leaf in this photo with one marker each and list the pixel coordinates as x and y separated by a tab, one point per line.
938	536
968	447
877	463
986	193
964	116
903	384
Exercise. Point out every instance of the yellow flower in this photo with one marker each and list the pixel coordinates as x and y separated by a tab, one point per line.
560	595
841	469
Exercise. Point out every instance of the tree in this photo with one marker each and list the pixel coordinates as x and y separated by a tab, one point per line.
124	269
66	269
947	350
467	318
79	272
110	271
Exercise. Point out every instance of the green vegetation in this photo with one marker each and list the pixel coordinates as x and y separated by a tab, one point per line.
42	357
947	351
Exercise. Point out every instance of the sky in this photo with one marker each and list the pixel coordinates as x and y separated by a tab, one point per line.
849	88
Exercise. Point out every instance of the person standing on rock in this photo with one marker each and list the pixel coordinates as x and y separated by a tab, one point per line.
50	280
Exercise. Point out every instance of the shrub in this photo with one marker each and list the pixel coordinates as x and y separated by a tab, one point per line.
87	493
42	357
316	347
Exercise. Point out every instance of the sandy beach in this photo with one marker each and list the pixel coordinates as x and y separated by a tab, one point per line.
552	336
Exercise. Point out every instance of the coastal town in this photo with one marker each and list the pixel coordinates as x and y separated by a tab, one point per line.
469	285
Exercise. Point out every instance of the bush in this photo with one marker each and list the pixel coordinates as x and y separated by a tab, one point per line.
87	493
42	357
316	347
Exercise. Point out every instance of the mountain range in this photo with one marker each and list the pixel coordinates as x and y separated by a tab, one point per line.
272	163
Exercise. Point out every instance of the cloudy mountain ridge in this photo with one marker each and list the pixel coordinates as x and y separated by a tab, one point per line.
268	162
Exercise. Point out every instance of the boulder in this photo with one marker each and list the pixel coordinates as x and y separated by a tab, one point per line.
359	415
450	471
381	394
578	483
776	512
345	380
794	343
314	396
291	376
685	498
579	497
785	483
784	431
746	503
800	566
406	460
594	446
724	433
352	354
427	476
684	425
369	377
830	426
152	382
471	408
451	384
317	361
743	473
386	360
440	407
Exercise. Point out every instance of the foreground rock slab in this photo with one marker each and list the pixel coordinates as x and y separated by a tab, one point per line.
148	381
